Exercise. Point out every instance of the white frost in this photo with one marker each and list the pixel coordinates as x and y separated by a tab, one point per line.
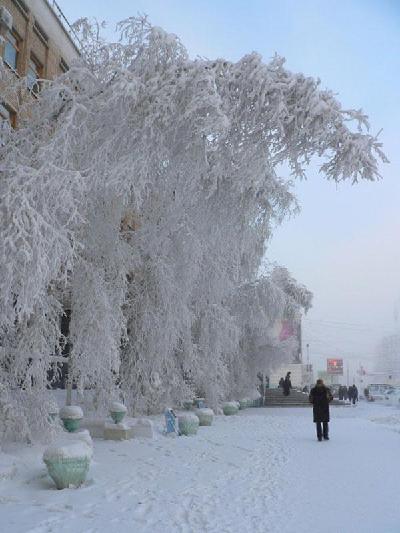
71	411
117	407
69	450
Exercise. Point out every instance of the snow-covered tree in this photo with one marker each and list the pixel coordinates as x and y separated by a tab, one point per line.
140	191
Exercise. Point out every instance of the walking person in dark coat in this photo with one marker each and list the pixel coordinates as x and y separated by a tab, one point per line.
287	385
345	393
320	397
340	392
354	394
281	382
350	393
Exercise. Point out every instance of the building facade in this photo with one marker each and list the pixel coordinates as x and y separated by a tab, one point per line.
36	43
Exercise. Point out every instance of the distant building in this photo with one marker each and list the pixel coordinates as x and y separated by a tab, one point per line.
387	362
36	42
301	375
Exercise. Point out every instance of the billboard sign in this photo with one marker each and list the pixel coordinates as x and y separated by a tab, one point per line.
334	367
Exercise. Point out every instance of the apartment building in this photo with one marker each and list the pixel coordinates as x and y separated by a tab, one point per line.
37	42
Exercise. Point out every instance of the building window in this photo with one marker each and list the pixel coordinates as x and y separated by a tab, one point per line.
40	32
7	114
35	71
11	50
63	66
20	4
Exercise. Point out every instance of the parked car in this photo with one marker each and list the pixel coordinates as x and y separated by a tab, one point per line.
379	392
392	397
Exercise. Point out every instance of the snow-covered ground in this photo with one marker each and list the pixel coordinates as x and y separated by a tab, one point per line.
260	471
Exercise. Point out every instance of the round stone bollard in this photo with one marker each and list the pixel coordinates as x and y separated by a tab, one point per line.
188	423
68	465
230	408
71	415
117	412
205	416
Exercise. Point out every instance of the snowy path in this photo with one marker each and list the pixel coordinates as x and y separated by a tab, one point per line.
261	471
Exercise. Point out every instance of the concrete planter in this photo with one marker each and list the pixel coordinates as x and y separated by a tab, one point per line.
205	416
230	408
71	415
71	424
188	423
200	403
67	472
117	412
68	463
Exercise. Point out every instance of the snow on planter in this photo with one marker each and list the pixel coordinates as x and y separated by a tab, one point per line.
117	407
117	411
71	415
81	435
68	463
188	423
205	416
230	408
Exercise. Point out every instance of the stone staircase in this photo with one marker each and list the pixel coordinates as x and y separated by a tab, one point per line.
275	398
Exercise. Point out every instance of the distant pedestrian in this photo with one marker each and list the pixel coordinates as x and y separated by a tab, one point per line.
320	396
281	382
345	393
287	385
354	394
340	392
350	393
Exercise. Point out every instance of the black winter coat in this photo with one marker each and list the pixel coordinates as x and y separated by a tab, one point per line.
320	396
287	385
